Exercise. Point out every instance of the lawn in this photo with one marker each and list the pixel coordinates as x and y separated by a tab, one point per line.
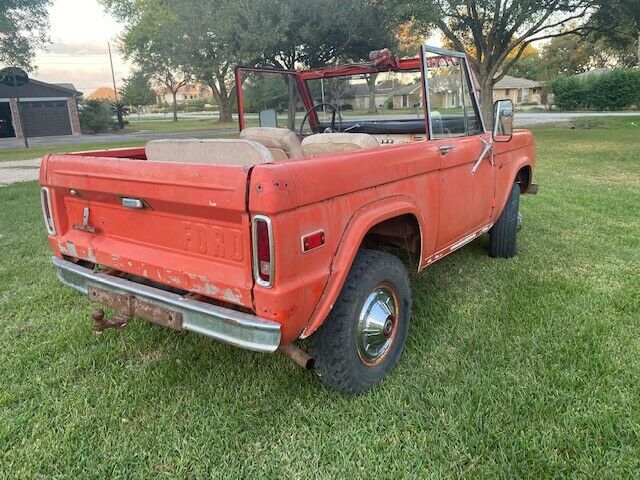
144	125
527	367
35	152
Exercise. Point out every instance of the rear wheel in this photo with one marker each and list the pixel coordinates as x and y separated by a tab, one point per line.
364	335
502	236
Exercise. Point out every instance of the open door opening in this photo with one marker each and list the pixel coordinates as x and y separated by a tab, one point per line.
270	98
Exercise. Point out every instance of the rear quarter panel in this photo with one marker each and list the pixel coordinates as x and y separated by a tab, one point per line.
343	195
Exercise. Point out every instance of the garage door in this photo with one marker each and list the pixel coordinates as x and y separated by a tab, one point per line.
42	119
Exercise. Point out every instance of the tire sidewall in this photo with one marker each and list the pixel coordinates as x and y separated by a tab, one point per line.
391	271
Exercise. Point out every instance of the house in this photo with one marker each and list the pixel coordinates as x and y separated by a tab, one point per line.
191	91
45	109
103	93
518	90
358	95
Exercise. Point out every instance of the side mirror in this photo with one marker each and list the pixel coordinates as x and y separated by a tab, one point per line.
268	118
502	121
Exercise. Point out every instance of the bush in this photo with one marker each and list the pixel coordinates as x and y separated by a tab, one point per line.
615	90
96	116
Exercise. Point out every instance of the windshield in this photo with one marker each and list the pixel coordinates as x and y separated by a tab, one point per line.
381	97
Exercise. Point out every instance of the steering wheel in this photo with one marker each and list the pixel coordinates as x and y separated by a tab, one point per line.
335	110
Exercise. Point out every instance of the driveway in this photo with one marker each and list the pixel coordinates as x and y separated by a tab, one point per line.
12	143
19	171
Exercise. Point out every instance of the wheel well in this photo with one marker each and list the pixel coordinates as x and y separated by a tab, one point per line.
523	178
402	232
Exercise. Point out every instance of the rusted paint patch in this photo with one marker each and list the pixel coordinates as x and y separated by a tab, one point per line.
231	296
71	248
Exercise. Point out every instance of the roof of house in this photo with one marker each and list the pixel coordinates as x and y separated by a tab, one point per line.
383	88
68	86
103	93
36	88
592	72
514	82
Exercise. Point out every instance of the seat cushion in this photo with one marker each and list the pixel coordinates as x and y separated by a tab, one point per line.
323	143
281	142
221	151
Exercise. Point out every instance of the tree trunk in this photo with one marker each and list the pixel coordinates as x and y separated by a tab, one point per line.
638	49
371	82
175	106
486	101
225	102
224	107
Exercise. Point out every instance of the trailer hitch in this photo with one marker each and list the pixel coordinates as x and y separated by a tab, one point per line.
99	324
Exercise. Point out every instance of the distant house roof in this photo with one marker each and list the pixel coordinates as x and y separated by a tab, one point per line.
103	93
383	88
595	71
515	82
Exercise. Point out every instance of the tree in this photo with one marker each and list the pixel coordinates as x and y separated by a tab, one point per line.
529	65
121	110
617	24
137	90
152	39
96	116
315	33
491	30
570	55
23	28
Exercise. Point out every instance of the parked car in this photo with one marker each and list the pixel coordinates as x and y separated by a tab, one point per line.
281	235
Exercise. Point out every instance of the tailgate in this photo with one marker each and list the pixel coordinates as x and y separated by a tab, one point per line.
186	225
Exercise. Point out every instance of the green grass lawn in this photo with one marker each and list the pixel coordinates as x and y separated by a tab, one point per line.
35	152
527	367
182	125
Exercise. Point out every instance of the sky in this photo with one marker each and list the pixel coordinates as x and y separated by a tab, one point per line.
80	30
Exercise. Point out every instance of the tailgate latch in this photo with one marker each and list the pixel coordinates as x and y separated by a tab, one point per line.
85	226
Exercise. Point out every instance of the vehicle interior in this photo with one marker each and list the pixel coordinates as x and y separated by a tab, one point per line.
291	115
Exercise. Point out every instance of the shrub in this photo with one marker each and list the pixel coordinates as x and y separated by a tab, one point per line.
96	116
615	90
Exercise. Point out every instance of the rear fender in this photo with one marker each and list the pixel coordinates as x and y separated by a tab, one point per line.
359	224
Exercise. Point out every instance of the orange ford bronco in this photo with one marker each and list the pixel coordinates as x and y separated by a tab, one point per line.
289	232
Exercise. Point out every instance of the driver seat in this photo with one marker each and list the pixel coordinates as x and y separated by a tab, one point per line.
281	142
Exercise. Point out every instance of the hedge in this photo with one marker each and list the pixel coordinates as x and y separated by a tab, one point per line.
615	90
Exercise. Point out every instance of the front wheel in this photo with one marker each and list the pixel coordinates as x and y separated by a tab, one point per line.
364	335
502	236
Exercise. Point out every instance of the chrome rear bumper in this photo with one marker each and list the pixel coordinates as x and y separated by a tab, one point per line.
223	324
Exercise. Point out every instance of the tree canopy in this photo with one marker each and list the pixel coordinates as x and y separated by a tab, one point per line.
137	90
207	39
23	28
496	33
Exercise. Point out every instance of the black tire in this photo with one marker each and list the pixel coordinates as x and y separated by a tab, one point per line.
502	236
335	346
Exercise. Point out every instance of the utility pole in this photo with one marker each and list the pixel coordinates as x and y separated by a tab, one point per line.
113	75
19	107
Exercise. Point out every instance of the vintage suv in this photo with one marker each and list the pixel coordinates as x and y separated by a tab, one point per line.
293	233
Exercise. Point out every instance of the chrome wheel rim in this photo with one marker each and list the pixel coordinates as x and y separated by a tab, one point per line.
377	324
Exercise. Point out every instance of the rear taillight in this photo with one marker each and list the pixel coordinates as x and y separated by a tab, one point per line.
45	200
263	260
